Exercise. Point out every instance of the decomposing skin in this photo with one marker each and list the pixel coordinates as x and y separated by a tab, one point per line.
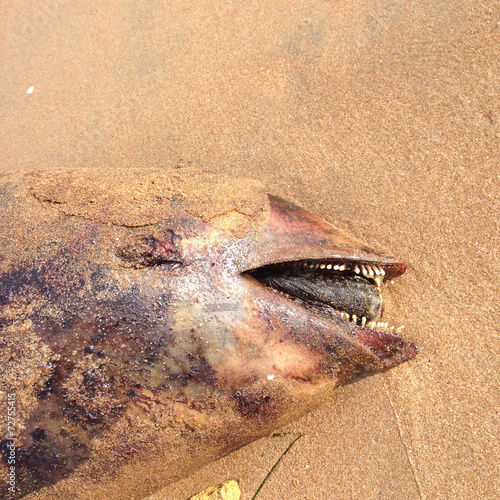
155	320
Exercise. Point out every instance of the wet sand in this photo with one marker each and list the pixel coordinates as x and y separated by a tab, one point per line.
382	117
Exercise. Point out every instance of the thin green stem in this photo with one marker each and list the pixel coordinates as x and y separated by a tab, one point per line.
276	465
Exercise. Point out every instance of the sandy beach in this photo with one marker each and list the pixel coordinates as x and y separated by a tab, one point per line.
382	117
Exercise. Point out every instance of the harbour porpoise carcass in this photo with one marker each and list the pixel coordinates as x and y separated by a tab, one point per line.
153	320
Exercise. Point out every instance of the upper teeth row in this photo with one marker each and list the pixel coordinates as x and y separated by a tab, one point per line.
367	270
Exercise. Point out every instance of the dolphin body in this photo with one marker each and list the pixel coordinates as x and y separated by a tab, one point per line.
154	320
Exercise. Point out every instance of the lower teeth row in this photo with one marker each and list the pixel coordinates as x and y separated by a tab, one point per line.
374	325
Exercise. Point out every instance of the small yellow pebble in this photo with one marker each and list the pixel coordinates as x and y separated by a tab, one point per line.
229	490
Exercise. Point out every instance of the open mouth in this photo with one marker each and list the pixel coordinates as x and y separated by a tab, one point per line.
346	290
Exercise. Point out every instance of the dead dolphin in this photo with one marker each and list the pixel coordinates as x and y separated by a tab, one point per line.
154	320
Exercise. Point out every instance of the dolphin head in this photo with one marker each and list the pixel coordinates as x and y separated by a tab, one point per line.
167	317
298	302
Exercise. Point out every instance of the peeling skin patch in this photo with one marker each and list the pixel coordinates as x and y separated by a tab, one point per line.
143	197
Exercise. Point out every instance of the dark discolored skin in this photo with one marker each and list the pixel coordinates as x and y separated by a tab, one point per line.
136	348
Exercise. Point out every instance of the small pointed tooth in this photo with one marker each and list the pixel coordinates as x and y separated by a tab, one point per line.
382	272
311	266
342	267
336	267
370	271
354	318
400	329
377	270
364	270
322	266
329	266
317	266
363	321
356	269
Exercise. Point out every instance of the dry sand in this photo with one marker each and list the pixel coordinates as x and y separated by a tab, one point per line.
381	116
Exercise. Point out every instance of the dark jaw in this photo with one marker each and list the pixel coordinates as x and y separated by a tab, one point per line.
347	291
